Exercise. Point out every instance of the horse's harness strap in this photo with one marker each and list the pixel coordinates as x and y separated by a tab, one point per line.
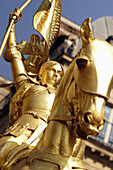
49	161
63	118
60	167
61	161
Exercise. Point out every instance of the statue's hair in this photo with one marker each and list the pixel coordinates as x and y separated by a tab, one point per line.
48	65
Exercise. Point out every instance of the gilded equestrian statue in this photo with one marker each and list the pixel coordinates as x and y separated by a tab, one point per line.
78	108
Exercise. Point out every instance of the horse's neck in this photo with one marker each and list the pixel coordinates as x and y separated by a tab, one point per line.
58	140
57	137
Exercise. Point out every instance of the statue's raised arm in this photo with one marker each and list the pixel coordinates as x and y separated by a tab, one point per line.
10	26
12	55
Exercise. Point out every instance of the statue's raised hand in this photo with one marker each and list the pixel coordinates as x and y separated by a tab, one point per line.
11	50
16	15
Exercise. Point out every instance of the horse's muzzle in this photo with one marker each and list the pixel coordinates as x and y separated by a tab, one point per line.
86	127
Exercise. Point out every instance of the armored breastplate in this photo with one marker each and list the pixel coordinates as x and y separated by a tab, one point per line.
32	98
38	101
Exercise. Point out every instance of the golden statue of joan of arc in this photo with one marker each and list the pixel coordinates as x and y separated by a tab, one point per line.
31	105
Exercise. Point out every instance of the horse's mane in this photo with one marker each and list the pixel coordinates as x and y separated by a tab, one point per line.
66	80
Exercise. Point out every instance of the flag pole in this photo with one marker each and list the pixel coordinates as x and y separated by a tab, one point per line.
10	25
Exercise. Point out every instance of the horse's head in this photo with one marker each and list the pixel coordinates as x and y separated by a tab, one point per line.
93	73
85	86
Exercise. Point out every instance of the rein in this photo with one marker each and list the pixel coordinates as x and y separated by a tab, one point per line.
63	118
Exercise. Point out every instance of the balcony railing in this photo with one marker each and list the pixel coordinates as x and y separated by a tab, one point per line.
106	135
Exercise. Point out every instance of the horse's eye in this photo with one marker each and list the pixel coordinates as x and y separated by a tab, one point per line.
81	63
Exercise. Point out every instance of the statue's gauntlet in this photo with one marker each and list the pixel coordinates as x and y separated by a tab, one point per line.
11	53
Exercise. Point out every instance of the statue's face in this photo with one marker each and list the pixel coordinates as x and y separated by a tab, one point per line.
52	75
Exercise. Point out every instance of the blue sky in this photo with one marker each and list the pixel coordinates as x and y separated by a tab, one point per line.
75	10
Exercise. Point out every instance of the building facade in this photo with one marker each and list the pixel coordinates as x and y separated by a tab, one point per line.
6	92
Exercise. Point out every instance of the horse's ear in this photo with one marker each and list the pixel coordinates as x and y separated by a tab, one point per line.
86	32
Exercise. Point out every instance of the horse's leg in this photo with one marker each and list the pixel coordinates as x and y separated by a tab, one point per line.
35	165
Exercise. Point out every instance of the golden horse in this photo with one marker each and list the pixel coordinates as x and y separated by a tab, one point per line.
78	108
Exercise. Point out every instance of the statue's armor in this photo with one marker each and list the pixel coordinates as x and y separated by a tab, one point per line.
39	103
32	99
